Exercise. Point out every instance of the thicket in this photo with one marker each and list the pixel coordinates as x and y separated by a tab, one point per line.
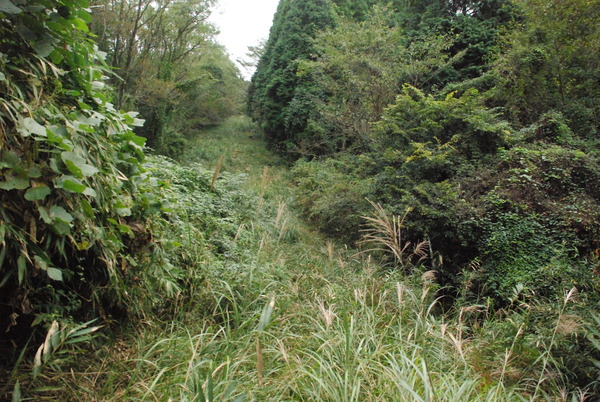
77	203
461	153
477	122
89	234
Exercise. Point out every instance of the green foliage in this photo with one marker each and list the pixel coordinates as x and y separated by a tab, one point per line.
332	194
552	62
517	251
87	229
278	98
169	69
421	127
210	218
476	24
76	201
522	213
423	147
357	10
263	316
535	338
359	70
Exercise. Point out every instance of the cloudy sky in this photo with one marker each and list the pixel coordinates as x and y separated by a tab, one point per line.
243	23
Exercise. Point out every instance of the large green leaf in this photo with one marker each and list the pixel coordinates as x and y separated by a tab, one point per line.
74	185
34	172
44	265
9	159
77	165
6	6
71	184
54	273
57	135
44	46
44	215
29	126
59	213
37	193
61	220
14	183
80	24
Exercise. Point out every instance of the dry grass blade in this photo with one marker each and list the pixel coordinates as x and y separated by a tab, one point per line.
259	362
383	232
217	172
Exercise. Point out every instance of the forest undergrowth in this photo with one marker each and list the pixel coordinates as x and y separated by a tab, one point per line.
273	310
433	233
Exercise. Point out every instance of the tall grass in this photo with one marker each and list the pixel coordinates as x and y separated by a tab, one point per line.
284	314
383	232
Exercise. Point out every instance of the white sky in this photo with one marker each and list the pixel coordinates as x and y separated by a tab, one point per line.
243	23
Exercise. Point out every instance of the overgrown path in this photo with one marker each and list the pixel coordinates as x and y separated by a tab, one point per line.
283	313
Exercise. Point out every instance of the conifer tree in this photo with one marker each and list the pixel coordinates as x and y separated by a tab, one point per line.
275	85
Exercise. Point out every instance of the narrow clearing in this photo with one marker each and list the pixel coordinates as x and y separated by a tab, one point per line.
288	315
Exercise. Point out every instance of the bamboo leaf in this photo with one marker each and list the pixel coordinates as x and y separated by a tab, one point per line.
16	394
37	361
21	269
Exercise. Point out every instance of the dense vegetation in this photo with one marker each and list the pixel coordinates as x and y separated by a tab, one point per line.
444	153
82	221
76	201
476	122
487	135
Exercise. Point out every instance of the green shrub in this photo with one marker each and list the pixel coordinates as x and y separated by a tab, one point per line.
75	200
520	251
557	183
332	193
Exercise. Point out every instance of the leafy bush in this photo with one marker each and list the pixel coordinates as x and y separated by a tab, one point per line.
557	183
75	198
423	148
522	252
332	194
